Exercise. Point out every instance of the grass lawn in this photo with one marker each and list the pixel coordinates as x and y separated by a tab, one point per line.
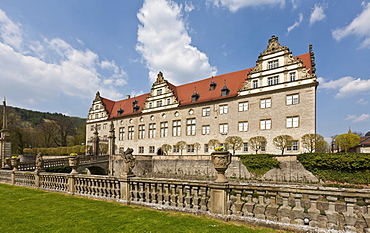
29	210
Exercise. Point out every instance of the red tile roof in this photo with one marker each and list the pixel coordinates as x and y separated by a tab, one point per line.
233	82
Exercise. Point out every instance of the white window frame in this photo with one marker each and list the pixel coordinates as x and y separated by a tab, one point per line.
245	147
292	122
151	149
265	124
176	128
131	132
164	129
190	126
294	147
224	109
292	76
292	99
265	103
206	111
243	106
243	126
141	131
255	84
190	148
206	129
224	128
152	130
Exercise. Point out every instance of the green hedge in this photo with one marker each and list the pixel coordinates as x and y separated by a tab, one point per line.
342	167
259	164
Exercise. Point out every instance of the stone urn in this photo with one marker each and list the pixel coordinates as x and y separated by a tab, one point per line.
74	161
221	160
15	163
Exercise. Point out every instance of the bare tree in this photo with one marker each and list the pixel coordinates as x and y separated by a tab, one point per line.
181	145
197	147
312	142
235	142
282	142
166	148
257	143
213	143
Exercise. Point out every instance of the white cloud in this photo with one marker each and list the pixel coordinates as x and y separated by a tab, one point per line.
189	6
317	14
362	101
165	44
354	118
235	5
297	23
294	4
360	27
347	86
44	71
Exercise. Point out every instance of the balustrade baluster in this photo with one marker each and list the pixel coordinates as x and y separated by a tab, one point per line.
147	192
141	192
166	194
153	195
173	195
188	199
196	198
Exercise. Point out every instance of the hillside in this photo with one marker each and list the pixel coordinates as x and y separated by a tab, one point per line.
31	129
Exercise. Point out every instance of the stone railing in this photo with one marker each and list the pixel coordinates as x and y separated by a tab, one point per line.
303	208
60	162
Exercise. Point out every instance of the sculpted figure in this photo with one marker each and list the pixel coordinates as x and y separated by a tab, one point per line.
128	161
39	162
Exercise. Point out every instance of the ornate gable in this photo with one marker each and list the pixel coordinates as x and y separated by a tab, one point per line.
98	110
162	96
274	66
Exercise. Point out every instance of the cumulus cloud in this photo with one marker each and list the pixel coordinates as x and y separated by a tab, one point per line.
165	44
235	5
354	118
317	14
297	23
359	26
39	72
347	86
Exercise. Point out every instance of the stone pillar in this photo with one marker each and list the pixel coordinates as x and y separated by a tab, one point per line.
313	212
125	190
5	143
74	163
349	216
285	210
298	210
331	213
111	148
219	198
71	184
96	141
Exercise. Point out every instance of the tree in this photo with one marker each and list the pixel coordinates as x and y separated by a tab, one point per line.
197	147
282	142
312	142
322	147
181	145
103	148
166	148
213	143
258	142
234	142
347	140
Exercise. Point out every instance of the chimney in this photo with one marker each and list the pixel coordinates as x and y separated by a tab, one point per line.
128	97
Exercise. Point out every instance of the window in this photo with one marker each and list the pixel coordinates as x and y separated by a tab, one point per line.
206	129
245	147
265	103
168	101
292	76
294	147
150	105
269	81
159	92
141	149
105	138
292	122
265	124
206	148
99	127
190	148
92	127
176	128
190	127
152	130
105	126
206	111
276	80
121	133
243	106
224	109
164	129
263	147
292	99
151	149
175	149
159	103
141	131
243	126
255	83
131	132
96	115
224	128
272	64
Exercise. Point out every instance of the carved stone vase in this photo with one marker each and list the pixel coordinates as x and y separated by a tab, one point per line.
15	163
74	162
221	160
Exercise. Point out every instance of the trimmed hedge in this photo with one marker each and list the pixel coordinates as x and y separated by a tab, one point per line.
259	164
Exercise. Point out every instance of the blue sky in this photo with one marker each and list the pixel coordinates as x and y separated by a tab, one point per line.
55	55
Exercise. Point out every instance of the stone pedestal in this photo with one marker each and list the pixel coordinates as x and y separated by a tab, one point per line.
74	162
221	160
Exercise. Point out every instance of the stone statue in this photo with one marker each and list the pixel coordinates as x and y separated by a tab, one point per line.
128	162
39	163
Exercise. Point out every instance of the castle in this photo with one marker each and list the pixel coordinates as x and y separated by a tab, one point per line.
276	97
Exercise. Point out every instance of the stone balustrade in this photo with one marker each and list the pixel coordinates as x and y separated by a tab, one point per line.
304	207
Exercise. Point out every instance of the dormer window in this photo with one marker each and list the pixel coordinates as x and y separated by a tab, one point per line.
159	103
159	92
150	105
120	111
194	96
212	86
225	91
134	103
136	108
